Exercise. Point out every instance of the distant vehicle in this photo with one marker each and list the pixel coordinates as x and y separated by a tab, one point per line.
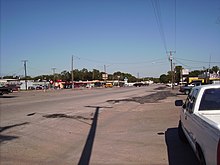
5	90
170	84
31	88
108	85
187	88
139	84
37	87
200	123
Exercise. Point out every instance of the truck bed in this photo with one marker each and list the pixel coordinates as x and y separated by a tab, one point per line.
212	118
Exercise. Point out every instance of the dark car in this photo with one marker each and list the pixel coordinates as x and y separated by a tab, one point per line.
139	84
5	90
187	88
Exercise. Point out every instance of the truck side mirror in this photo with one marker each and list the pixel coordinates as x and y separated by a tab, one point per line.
179	103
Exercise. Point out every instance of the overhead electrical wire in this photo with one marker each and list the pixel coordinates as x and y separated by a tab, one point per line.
192	67
157	13
195	61
186	66
123	63
36	69
15	72
175	25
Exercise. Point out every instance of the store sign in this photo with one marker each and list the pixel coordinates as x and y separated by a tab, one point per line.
105	76
185	71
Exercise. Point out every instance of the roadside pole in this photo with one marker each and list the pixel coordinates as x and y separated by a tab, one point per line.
72	73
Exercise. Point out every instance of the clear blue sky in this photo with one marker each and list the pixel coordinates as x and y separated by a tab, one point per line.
121	34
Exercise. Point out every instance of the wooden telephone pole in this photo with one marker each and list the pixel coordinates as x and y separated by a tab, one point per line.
171	67
25	72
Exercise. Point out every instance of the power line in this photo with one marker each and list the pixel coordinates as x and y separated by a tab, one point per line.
13	73
188	66
195	61
175	25
122	63
157	13
182	63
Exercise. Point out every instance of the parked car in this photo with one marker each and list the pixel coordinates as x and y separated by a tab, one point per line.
139	84
5	90
170	84
108	85
187	88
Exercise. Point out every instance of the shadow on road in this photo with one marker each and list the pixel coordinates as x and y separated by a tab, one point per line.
6	137
61	115
7	96
87	150
178	152
151	98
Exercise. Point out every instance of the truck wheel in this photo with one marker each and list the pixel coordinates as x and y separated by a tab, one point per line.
181	134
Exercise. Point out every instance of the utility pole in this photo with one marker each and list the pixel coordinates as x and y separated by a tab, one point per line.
105	69
53	69
25	72
105	74
208	75
72	67
171	67
174	74
72	73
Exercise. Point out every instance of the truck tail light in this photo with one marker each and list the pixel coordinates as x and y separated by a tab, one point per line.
218	153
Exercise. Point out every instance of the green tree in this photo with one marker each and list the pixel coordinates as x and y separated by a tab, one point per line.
66	76
8	77
195	73
164	78
215	69
178	70
76	75
96	75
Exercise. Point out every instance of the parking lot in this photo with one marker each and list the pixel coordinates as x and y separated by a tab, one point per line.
133	125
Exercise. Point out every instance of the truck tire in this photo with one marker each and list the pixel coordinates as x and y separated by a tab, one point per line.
181	134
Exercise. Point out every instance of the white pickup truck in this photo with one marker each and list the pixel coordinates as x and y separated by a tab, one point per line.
200	123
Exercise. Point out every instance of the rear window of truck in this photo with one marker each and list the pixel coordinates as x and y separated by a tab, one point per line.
210	100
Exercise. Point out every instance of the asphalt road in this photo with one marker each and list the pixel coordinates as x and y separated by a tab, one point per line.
92	126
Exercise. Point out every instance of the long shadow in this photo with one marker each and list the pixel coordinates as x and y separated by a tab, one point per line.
7	96
87	150
178	152
11	126
6	137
